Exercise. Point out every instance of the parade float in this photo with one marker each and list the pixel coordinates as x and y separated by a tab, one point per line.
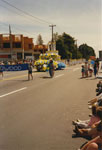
43	61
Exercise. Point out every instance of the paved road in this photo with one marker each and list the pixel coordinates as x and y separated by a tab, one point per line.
38	114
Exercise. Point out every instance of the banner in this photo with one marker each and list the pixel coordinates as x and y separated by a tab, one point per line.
18	67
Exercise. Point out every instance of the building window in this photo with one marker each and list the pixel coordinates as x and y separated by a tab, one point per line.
17	45
6	45
9	56
41	51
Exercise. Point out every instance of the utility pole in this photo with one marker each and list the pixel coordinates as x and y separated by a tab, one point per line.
23	49
10	35
52	26
76	49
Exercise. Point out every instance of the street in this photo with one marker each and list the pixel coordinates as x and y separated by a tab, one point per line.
38	114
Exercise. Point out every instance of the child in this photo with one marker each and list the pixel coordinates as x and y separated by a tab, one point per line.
83	71
90	70
86	69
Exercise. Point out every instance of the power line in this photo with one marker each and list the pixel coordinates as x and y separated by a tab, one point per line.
14	27
22	15
4	24
18	13
26	13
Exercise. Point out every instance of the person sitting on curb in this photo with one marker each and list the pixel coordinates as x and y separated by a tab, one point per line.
94	130
88	123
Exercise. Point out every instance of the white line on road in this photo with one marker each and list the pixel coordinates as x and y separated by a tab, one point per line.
59	75
13	92
76	69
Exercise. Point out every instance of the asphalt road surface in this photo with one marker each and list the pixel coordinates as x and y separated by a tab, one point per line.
38	114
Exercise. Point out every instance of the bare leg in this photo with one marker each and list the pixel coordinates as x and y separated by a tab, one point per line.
1	74
32	76
28	76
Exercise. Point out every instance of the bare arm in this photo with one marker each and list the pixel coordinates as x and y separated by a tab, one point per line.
93	101
95	124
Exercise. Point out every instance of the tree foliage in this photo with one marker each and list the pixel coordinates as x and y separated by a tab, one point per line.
66	46
86	51
39	40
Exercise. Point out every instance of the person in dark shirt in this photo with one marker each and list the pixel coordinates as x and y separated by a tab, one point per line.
1	71
51	68
30	68
95	69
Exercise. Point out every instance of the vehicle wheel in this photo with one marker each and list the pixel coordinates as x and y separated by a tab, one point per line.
38	69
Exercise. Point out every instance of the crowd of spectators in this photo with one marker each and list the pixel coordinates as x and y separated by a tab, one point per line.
91	129
89	68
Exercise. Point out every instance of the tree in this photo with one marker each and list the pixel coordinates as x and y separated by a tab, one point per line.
55	36
66	46
39	40
63	49
86	51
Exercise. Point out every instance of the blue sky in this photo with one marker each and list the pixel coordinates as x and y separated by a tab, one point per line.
82	19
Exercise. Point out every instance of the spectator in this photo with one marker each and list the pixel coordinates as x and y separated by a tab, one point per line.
83	71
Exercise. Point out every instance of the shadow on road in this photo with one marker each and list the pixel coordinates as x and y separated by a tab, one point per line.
45	77
77	136
89	78
92	78
99	77
82	78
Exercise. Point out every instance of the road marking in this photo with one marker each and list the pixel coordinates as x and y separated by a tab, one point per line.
59	76
21	76
13	92
76	69
5	79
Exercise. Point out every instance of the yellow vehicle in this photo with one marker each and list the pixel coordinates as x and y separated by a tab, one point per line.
42	63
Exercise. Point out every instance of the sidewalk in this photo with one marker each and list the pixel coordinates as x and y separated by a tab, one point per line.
99	76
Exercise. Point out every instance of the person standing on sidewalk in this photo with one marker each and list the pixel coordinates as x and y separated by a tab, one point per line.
95	69
86	69
90	70
83	71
